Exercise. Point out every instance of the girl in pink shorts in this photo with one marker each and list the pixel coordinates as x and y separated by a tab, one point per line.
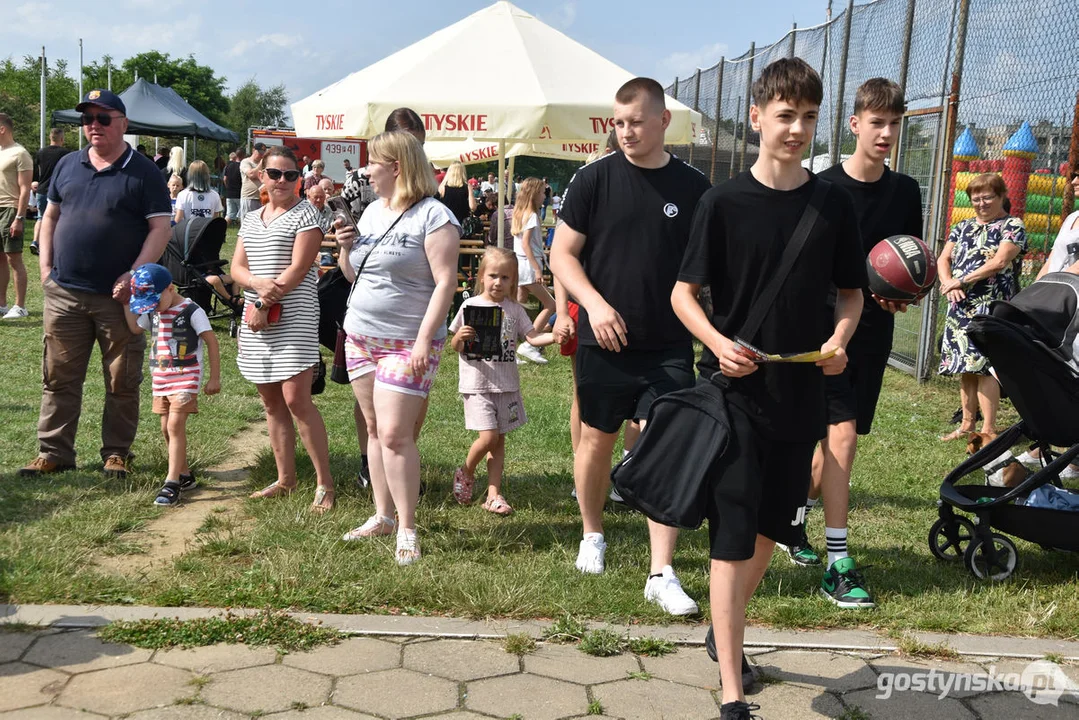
487	328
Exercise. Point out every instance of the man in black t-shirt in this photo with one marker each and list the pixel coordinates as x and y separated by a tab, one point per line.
625	225
233	181
776	411
44	163
887	203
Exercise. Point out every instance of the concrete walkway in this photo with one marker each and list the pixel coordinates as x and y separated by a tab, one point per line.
439	668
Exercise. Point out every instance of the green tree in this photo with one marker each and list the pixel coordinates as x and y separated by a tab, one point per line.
251	106
21	99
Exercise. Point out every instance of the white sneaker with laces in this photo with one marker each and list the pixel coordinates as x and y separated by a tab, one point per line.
590	556
666	591
16	312
1029	460
529	352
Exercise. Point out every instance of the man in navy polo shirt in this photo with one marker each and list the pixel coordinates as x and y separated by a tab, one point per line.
108	212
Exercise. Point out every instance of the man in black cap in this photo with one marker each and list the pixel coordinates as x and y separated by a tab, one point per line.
249	175
108	213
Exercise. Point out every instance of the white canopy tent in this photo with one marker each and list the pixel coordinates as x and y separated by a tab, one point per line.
544	88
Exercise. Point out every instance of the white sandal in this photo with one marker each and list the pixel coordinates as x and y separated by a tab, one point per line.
408	547
376	525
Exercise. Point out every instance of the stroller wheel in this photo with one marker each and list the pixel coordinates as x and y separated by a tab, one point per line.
234	328
948	539
994	560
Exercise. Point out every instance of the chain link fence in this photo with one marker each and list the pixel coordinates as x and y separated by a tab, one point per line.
991	86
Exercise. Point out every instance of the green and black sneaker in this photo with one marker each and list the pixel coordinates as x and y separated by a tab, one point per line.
845	586
803	553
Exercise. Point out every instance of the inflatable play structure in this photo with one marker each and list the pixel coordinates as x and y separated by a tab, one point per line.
1037	196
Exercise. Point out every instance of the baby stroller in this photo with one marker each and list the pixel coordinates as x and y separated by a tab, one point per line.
193	253
1031	342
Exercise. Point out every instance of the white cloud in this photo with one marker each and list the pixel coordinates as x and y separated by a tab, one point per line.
562	16
685	63
280	40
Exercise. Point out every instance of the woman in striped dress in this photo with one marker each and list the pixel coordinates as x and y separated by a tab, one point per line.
274	262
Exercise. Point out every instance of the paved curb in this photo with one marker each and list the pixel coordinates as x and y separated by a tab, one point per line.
92	616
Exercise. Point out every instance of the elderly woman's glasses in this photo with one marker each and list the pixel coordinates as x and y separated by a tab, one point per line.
275	174
982	199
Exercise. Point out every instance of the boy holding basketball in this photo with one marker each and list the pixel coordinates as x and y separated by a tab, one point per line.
887	203
776	411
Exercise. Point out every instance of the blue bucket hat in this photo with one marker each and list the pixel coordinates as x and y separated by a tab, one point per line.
147	283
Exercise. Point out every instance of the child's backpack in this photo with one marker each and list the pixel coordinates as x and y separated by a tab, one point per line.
665	475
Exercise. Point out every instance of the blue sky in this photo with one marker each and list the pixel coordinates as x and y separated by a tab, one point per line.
307	46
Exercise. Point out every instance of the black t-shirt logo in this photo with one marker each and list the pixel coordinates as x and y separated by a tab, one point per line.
670	210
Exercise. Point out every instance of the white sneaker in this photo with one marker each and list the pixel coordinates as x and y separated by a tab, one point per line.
615	497
16	312
531	353
666	591
590	556
1029	460
573	493
1069	473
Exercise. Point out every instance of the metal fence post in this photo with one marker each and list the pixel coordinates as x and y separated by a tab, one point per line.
749	99
837	131
908	33
794	31
719	106
697	108
928	333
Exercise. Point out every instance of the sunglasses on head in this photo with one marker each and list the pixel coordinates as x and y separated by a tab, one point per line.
275	174
103	119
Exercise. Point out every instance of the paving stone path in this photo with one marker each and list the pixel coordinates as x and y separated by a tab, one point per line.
71	675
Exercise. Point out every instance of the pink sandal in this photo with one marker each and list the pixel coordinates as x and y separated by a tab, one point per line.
498	506
462	486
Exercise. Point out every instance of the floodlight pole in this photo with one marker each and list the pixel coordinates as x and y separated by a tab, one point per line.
44	79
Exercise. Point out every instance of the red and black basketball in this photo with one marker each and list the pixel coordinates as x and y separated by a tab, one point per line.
901	268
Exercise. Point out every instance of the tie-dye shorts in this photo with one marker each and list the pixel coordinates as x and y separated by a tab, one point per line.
389	360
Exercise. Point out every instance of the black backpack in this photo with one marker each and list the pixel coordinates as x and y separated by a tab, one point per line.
665	475
691	425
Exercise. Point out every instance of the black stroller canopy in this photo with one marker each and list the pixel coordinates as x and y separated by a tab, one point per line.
1050	310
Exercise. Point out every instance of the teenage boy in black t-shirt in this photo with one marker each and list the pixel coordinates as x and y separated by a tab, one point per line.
625	224
777	411
887	203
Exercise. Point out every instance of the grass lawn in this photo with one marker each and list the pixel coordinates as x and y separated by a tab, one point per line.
476	564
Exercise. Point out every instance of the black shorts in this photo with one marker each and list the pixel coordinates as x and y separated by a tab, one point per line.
759	486
853	394
616	386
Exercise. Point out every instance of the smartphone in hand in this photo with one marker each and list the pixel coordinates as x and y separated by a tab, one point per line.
341	211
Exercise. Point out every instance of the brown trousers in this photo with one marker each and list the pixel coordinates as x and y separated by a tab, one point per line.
74	321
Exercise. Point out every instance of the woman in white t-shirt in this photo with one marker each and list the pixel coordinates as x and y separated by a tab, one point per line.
395	323
1065	254
528	247
198	199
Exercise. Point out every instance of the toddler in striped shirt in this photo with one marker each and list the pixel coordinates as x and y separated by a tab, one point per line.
179	329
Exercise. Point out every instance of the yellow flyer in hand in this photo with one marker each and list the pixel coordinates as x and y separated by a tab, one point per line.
759	356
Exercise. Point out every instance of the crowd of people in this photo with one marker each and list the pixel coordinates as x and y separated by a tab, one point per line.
640	235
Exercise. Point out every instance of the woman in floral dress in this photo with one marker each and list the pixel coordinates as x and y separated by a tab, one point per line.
979	264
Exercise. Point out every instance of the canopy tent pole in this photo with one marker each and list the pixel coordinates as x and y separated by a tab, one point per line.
501	193
509	182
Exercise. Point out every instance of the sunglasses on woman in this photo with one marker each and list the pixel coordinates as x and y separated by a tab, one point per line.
103	119
275	174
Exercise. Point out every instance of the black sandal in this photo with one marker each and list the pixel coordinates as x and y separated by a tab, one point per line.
169	494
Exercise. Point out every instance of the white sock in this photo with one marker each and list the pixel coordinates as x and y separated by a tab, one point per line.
836	538
594	538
